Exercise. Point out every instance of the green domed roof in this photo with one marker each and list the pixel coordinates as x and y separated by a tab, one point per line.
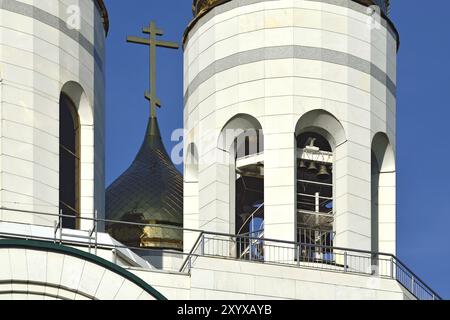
149	192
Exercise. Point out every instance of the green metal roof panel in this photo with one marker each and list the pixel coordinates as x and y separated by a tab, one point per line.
150	191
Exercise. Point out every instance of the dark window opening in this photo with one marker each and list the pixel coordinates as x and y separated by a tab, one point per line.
69	163
249	197
315	213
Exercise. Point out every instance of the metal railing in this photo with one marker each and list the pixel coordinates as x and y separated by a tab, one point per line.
87	238
310	256
257	213
243	247
313	236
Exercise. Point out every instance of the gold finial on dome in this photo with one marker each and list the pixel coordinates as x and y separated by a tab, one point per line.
200	6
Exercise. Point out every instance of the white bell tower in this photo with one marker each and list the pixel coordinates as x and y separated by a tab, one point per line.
290	113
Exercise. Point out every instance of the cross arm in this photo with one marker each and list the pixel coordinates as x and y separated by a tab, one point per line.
138	40
166	44
149	30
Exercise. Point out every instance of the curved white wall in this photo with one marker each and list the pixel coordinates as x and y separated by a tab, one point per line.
276	61
41	56
33	274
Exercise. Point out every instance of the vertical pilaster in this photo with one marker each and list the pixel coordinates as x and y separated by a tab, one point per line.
279	192
353	196
191	214
387	212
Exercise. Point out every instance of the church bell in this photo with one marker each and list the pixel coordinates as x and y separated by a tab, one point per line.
323	173
302	164
312	168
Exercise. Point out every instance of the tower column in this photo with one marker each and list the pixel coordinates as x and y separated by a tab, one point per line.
387	213
279	194
215	200
353	196
279	186
191	214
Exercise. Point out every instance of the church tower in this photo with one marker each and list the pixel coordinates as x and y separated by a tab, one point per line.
290	118
52	111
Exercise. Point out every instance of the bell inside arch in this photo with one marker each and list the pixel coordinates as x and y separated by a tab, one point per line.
312	168
302	164
323	173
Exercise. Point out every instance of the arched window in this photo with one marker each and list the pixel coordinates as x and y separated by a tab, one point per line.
69	162
249	190
315	194
319	136
243	140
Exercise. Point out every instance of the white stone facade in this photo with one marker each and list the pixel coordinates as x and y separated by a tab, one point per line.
218	279
291	65
44	53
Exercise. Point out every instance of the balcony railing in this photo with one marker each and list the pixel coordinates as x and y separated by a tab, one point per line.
218	245
310	256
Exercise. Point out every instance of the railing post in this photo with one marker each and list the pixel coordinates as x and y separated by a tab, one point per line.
89	240
114	256
392	268
202	246
55	231
345	261
96	230
250	240
60	226
298	254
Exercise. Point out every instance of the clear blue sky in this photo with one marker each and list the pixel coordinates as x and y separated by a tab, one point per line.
423	112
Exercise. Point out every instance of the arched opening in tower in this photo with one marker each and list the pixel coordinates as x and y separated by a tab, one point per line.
249	195
69	163
315	214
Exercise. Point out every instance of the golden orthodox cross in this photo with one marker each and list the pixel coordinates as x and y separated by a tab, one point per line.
153	43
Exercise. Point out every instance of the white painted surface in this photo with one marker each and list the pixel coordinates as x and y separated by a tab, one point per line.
29	274
219	279
37	62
